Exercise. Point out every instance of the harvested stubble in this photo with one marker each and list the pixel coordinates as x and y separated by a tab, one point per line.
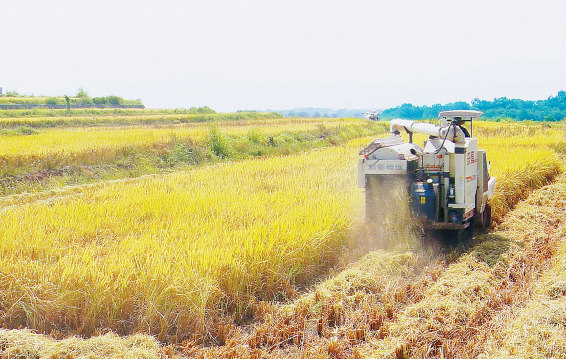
464	312
537	329
337	317
27	344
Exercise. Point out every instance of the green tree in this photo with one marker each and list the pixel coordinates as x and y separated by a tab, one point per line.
82	93
549	118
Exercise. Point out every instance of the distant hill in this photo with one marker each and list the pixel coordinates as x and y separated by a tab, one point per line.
324	112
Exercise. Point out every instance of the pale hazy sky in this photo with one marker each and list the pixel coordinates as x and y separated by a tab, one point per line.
273	54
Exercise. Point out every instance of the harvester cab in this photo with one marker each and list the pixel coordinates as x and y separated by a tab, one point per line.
447	181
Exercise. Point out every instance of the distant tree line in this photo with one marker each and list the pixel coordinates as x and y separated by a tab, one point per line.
81	99
321	112
551	109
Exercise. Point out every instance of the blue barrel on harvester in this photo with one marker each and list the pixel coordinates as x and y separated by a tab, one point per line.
425	199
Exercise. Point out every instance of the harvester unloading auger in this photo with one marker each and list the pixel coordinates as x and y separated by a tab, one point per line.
448	181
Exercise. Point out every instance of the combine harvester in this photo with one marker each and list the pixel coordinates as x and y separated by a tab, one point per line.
448	183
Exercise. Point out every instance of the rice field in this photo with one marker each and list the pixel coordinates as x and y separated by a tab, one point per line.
37	159
38	118
524	157
229	261
70	141
156	254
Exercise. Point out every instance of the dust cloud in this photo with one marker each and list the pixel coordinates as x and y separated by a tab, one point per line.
386	222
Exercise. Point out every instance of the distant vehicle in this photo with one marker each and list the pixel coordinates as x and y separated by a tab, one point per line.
371	115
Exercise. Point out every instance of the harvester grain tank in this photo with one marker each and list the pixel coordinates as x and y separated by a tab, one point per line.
447	181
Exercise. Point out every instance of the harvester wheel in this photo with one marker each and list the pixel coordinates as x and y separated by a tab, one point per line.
486	216
429	236
464	235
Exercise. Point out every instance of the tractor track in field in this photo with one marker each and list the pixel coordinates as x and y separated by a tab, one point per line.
412	304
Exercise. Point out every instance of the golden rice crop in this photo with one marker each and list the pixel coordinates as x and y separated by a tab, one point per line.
522	157
112	117
163	254
135	150
80	140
